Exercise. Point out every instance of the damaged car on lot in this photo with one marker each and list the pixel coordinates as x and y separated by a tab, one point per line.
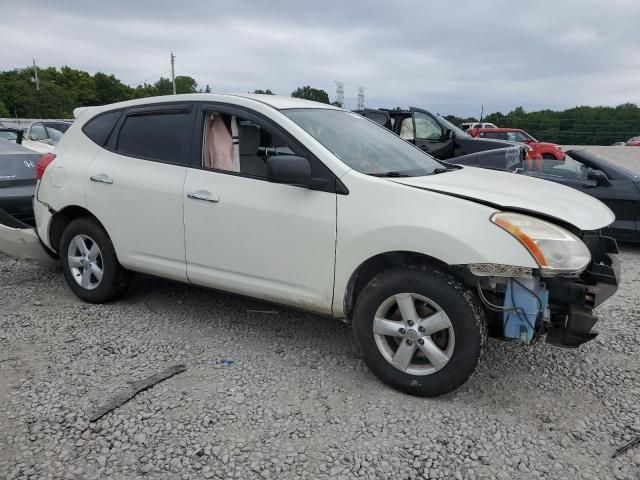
432	133
314	207
17	180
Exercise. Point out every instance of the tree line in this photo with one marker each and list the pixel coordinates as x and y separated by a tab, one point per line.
61	90
574	126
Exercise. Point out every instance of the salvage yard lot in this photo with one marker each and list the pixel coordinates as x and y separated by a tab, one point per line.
296	401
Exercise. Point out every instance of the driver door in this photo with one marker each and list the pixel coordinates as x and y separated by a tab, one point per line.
429	135
248	235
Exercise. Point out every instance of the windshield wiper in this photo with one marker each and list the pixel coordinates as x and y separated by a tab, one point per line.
441	170
389	174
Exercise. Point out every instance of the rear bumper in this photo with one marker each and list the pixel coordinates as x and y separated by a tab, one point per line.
21	242
18	202
572	302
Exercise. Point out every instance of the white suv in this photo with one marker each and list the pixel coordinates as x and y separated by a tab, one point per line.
318	208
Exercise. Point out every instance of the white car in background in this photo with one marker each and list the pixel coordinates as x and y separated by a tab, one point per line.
318	208
471	125
42	136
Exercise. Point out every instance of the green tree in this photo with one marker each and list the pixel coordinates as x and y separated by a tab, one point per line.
264	92
109	89
4	111
186	84
309	93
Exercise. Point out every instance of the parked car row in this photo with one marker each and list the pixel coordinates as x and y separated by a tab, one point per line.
318	208
545	150
40	136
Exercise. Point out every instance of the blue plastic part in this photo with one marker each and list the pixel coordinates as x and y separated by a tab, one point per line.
522	325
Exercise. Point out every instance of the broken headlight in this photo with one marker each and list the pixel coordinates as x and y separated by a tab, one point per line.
556	250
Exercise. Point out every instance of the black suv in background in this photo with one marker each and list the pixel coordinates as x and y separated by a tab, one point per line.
432	133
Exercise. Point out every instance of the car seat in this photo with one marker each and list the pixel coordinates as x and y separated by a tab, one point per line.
250	162
406	129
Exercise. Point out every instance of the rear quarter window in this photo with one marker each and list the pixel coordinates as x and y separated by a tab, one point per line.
99	128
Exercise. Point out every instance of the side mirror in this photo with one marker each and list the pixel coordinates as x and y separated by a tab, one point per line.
289	169
33	137
599	177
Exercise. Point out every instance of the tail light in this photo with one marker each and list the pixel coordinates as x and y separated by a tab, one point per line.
43	164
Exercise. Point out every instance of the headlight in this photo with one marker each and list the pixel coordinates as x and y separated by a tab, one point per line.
556	250
558	147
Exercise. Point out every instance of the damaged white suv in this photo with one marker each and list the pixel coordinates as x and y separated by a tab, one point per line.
314	207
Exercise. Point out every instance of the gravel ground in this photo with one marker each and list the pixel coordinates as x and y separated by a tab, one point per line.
296	401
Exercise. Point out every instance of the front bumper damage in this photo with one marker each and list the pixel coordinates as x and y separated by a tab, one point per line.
572	301
21	242
523	306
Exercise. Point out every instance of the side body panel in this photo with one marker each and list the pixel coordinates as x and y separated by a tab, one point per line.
380	216
266	240
63	181
142	210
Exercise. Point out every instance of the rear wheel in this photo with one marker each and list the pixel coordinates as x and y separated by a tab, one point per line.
89	262
420	330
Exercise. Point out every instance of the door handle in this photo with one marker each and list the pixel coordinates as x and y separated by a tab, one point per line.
101	178
203	195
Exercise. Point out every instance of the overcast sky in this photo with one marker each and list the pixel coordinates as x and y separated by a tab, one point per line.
450	56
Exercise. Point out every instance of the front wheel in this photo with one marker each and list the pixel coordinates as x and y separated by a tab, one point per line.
89	262
420	330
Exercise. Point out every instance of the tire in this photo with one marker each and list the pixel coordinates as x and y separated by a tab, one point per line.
444	306
75	262
548	156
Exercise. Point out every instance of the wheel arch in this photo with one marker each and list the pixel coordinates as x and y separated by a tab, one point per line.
64	217
379	263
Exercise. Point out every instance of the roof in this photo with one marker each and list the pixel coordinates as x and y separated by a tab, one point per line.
276	101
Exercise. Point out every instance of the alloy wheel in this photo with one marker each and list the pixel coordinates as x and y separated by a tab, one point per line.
414	334
85	262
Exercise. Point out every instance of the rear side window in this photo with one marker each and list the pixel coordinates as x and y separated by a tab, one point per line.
99	128
379	118
160	136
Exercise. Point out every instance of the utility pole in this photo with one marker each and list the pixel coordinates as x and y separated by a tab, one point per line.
173	75
360	98
35	75
481	113
340	93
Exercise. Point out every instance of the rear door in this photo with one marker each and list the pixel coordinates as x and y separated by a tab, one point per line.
134	187
430	136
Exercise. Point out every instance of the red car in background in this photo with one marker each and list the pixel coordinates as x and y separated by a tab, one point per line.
547	151
633	142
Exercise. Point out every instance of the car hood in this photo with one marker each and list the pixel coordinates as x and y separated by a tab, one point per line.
546	144
511	191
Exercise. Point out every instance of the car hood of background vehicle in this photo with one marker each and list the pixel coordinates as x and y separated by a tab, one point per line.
511	191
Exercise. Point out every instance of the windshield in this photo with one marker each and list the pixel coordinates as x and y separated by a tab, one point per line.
362	144
457	130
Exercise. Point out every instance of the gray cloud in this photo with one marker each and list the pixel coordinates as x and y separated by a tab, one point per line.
450	57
